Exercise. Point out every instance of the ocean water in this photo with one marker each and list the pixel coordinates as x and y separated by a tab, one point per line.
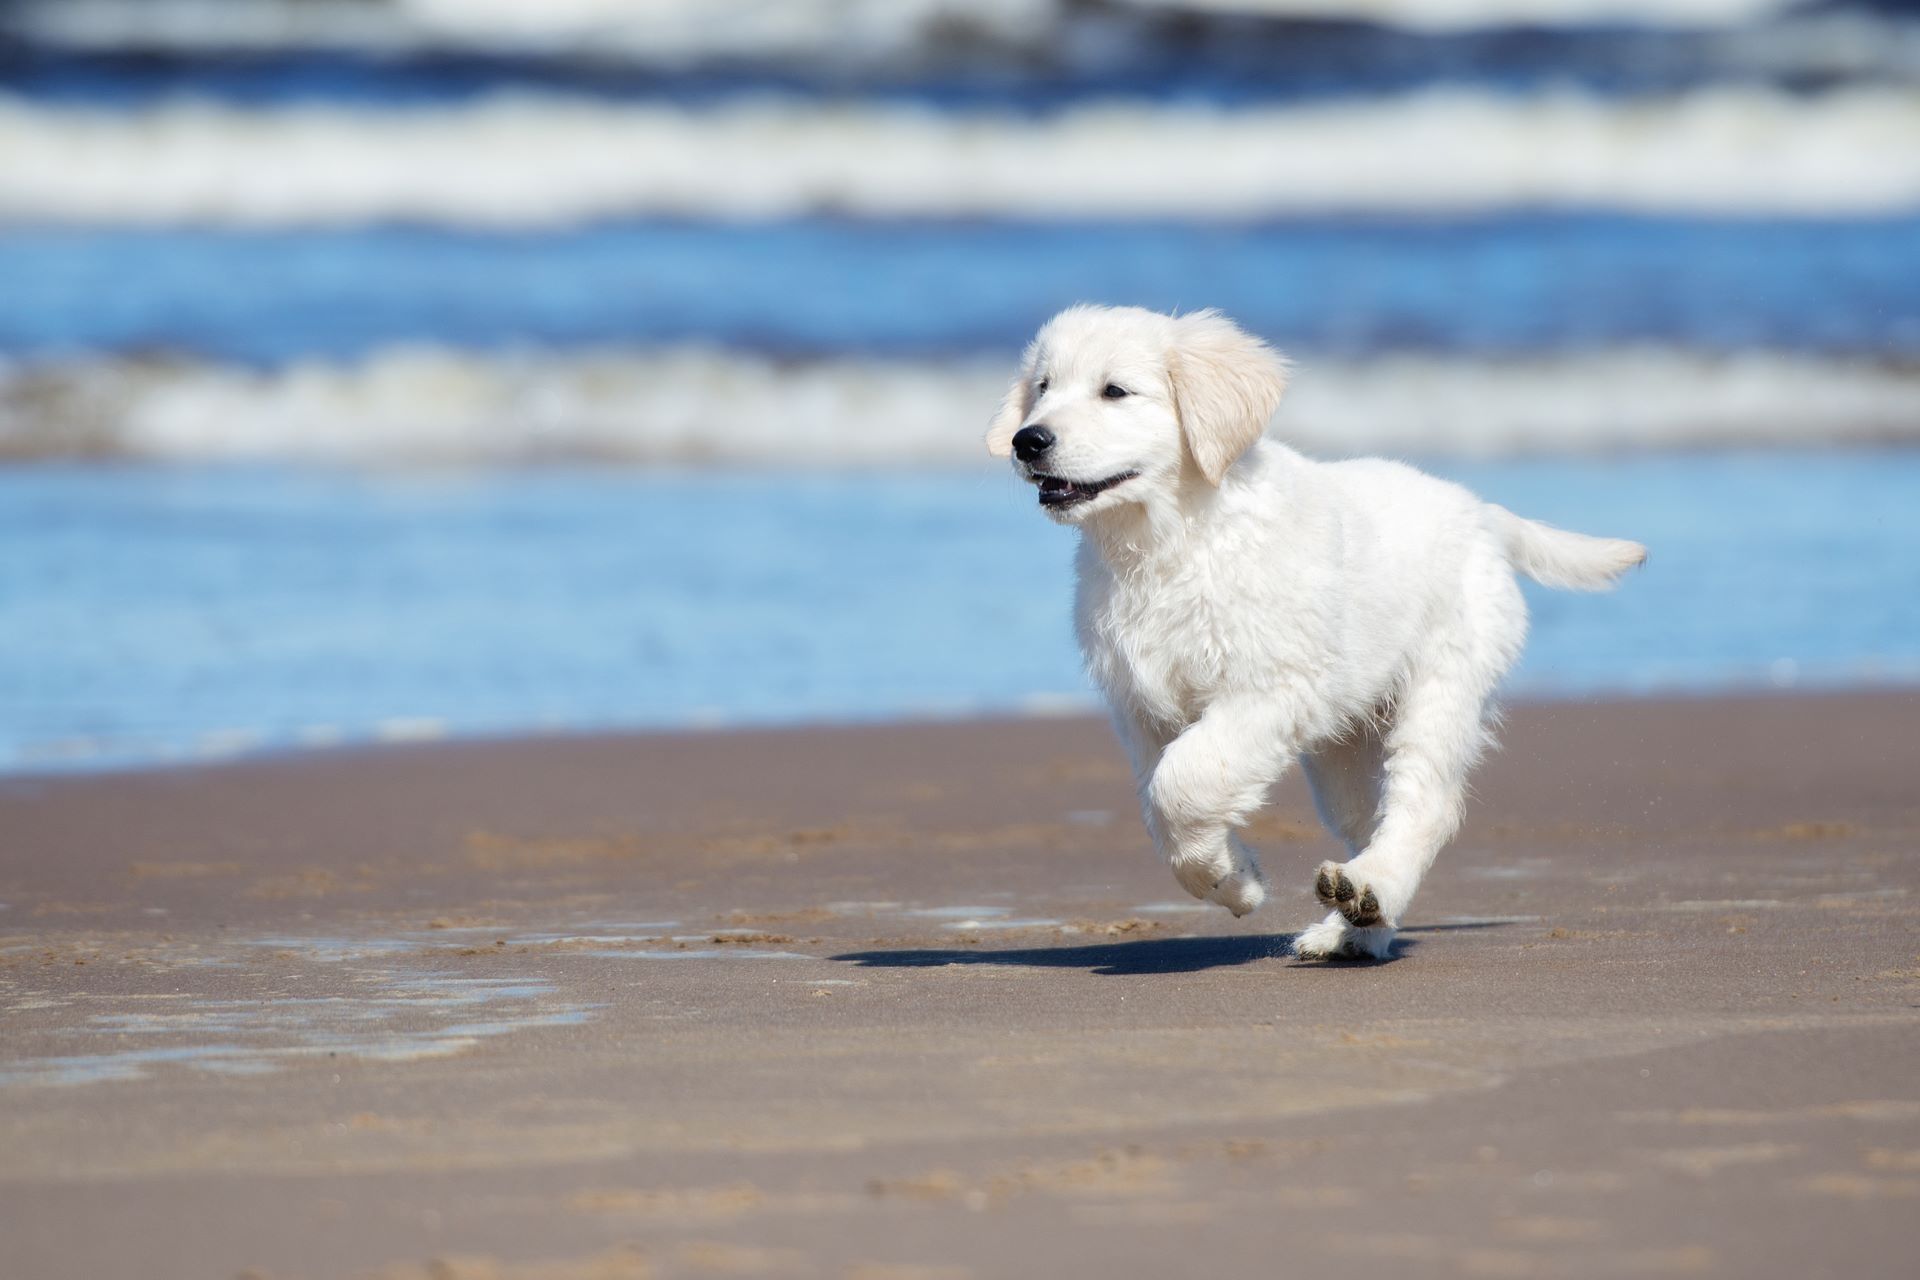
820	288
397	368
150	615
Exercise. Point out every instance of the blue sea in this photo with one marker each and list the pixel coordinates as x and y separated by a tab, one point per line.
383	370
183	613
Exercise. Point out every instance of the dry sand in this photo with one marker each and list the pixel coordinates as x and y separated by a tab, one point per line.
916	1002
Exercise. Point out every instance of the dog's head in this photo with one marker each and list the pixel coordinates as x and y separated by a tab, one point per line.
1116	405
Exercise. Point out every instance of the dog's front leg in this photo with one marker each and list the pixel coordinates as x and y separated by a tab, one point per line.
1208	782
1145	740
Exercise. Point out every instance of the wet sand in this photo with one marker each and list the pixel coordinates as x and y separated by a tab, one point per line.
917	1002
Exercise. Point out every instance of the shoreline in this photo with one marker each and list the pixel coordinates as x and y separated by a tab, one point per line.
806	1001
432	736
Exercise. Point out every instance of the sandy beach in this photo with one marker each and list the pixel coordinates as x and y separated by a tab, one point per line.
916	1001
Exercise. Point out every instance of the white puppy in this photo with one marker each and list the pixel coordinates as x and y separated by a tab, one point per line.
1241	605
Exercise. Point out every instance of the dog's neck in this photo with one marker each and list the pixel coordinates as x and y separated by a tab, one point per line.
1174	525
1139	535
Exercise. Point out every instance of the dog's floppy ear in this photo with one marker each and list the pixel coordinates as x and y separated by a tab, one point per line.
1226	384
1014	407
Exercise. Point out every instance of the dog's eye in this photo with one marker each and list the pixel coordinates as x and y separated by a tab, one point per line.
1043	386
1115	392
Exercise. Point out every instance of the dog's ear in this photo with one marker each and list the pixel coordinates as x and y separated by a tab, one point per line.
1014	407
1226	384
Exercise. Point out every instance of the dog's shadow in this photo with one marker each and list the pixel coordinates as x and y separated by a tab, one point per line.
1143	956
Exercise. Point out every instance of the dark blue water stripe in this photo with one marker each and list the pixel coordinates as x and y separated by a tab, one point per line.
1510	284
1219	60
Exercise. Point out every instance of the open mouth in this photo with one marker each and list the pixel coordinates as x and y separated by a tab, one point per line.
1056	491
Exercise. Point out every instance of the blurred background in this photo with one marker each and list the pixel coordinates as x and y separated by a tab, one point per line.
388	369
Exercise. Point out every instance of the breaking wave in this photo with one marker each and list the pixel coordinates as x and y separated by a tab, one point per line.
432	407
660	29
533	161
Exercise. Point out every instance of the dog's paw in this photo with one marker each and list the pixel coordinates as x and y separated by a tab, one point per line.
1240	892
1350	895
1335	939
1230	878
1198	876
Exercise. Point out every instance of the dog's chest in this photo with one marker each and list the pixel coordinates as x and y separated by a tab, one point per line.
1153	645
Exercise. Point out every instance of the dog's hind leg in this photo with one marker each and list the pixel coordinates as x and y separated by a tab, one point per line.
1346	775
1437	735
1438	732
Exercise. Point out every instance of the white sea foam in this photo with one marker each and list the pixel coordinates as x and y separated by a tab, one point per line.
422	406
524	160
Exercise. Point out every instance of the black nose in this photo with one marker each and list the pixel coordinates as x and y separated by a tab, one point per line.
1030	442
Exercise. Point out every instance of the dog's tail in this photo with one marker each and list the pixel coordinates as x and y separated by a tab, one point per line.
1557	558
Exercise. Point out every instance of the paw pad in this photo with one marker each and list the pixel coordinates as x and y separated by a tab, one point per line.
1334	887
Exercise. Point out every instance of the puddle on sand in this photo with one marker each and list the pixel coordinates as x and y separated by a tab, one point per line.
568	939
959	912
974	917
384	1001
332	950
592	933
971	926
387	1015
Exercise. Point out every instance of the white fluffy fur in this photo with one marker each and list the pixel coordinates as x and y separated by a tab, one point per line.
1242	606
